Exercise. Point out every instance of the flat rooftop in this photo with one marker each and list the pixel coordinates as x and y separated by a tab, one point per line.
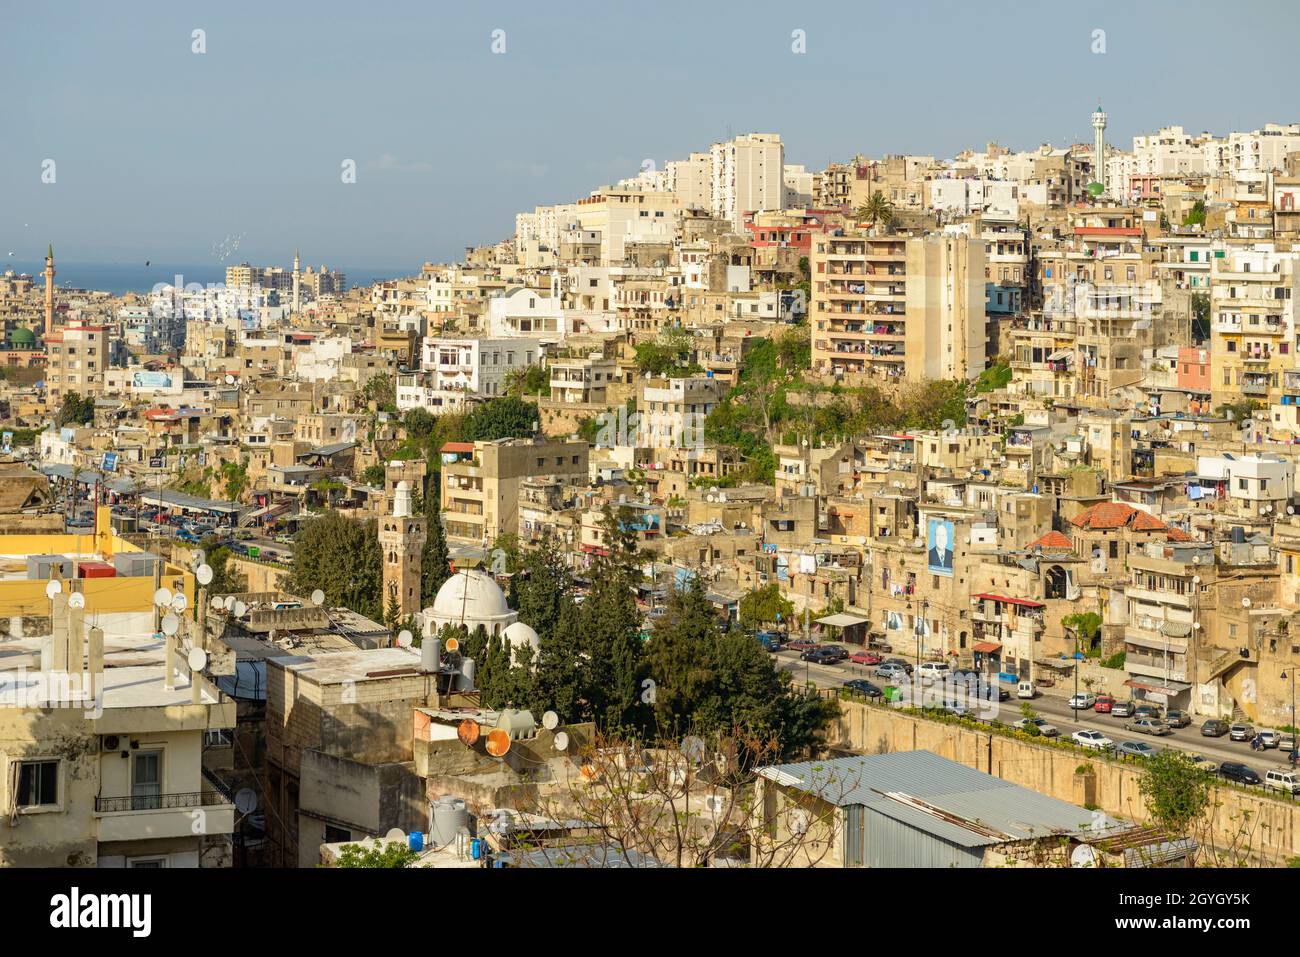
341	666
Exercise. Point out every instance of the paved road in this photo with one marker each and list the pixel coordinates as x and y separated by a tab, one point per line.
1057	711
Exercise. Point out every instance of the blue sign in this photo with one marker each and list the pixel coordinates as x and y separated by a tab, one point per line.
110	462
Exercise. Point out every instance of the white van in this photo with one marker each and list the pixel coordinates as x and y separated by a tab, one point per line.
1025	689
1286	780
930	670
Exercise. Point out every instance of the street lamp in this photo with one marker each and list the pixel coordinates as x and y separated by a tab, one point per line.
1294	729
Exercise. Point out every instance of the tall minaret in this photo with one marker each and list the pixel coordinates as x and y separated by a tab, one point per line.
49	290
1099	148
295	282
401	538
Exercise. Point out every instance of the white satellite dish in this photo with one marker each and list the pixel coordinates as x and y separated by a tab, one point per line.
1245	603
76	600
162	597
204	574
799	821
53	588
318	597
170	624
240	609
179	602
1085	855
218	602
246	800
395	834
197	659
197	557
229	602
550	721
561	741
230	380
404	638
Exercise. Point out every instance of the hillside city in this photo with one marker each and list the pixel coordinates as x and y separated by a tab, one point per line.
908	512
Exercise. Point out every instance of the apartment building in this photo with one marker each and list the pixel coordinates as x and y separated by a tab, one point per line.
76	357
889	307
1252	322
672	411
480	482
475	366
747	174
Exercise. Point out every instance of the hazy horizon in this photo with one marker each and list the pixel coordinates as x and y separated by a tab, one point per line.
168	155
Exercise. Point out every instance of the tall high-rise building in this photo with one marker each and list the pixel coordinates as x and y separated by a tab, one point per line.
748	174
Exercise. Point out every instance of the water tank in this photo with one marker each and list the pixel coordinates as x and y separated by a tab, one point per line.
449	816
1238	534
430	654
466	680
518	724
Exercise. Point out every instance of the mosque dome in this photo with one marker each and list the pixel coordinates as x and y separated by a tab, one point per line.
472	598
22	337
518	635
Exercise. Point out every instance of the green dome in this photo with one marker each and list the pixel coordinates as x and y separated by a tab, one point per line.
22	336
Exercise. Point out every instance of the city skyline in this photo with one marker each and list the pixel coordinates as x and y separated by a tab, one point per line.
169	171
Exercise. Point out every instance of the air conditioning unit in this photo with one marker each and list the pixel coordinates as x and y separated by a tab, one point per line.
110	742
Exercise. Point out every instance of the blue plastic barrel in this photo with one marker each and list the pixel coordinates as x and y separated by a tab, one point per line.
476	848
415	841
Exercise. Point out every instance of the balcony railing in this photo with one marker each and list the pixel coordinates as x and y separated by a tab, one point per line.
156	802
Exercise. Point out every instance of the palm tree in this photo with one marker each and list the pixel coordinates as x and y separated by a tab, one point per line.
877	210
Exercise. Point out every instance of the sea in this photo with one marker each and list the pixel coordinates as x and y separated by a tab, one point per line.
121	278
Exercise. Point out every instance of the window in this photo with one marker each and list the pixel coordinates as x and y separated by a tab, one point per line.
336	835
38	783
147	862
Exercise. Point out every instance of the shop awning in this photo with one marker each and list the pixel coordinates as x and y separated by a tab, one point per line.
1167	689
842	620
987	647
1022	602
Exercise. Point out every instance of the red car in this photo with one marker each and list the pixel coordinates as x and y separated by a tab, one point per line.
1104	703
865	658
801	644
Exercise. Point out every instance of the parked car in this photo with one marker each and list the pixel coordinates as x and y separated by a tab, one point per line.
1214	728
1025	689
1082	700
1241	732
1104	703
934	670
1123	709
863	687
1092	739
891	672
820	656
1286	742
1177	718
865	658
1045	728
802	644
959	710
1205	764
1136	749
1269	739
1148	711
1148	726
837	652
1238	773
1286	780
902	663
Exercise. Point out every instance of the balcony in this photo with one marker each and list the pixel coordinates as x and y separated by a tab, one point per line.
149	816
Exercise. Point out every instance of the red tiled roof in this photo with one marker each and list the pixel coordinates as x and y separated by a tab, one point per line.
1053	542
1106	516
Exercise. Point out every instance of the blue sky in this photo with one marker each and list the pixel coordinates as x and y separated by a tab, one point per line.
166	154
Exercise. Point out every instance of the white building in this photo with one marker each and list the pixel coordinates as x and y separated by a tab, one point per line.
747	174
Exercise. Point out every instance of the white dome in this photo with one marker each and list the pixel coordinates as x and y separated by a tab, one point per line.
472	598
520	634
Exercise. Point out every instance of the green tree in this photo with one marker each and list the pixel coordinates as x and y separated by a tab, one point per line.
435	562
391	854
764	605
76	410
226	579
1176	792
877	210
374	475
1195	216
530	380
419	423
501	418
1200	305
379	389
341	556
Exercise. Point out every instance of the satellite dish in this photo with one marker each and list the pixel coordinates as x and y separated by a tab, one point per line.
498	743
241	609
198	557
318	597
799	821
404	638
246	800
1290	509
230	380
197	659
179	601
395	834
162	597
550	721
76	600
228	602
170	624
562	741
218	602
1245	603
453	644
1085	855
204	574
53	588
468	731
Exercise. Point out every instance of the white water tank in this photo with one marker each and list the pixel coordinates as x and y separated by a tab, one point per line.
448	817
